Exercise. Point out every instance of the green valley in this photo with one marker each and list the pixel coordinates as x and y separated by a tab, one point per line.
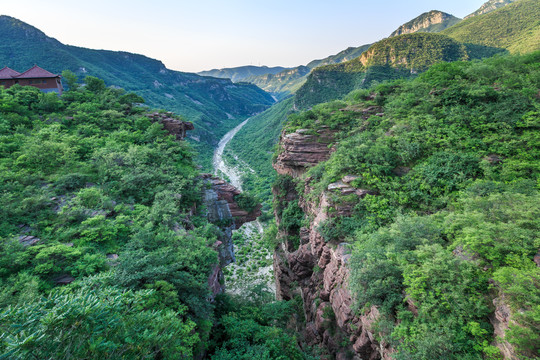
214	105
382	203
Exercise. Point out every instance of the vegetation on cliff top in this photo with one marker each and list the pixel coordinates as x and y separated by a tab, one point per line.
451	165
96	196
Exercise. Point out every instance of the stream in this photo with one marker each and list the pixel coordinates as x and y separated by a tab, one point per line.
249	269
235	177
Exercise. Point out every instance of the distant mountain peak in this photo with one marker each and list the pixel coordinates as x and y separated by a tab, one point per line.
240	73
432	21
489	7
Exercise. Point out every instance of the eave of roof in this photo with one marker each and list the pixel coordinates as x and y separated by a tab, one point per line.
7	73
35	72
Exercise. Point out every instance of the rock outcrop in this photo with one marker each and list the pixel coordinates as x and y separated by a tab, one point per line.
317	270
426	22
172	124
302	149
490	6
224	211
222	206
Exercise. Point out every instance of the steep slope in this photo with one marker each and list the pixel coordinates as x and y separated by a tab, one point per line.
433	21
282	84
285	83
345	55
408	215
490	6
515	27
240	73
214	105
254	145
399	56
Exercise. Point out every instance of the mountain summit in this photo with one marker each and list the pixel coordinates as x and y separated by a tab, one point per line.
433	21
489	7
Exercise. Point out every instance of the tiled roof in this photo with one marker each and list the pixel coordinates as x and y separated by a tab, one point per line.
7	73
36	72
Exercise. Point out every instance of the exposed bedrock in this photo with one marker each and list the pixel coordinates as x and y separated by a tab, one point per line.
318	270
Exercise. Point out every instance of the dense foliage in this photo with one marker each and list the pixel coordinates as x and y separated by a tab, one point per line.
87	176
105	250
450	225
392	58
515	27
215	106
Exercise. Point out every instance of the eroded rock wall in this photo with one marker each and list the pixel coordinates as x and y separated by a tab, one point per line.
318	270
224	211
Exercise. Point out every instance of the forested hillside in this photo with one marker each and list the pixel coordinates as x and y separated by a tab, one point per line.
395	57
287	82
515	27
105	248
214	105
256	142
427	195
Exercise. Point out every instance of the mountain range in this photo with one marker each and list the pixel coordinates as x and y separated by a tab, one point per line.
214	105
287	82
496	31
240	73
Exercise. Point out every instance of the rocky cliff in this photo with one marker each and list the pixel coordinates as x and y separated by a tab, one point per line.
433	21
316	269
224	211
490	6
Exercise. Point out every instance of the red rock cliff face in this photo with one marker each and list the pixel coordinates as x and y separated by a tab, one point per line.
223	210
170	123
302	149
317	270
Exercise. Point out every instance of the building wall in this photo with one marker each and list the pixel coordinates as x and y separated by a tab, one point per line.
47	85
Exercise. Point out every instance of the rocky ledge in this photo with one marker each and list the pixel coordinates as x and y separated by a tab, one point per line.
315	269
222	206
302	149
170	123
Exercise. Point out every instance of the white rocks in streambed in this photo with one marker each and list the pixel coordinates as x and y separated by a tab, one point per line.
338	185
28	240
347	179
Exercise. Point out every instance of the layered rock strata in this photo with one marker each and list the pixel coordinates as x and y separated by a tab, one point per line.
302	149
317	270
223	210
170	123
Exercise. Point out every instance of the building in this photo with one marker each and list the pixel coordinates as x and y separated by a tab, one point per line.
35	76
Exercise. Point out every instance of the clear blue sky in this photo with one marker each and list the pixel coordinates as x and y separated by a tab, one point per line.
205	34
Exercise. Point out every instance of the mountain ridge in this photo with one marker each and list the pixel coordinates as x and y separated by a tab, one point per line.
240	73
489	6
514	27
432	21
214	105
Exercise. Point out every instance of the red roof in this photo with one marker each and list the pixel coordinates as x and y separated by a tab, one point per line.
7	73
36	72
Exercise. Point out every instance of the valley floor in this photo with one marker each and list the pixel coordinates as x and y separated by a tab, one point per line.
253	266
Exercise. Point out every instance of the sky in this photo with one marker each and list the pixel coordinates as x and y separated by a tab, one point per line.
207	34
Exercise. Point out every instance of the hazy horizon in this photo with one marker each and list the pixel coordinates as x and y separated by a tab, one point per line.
193	37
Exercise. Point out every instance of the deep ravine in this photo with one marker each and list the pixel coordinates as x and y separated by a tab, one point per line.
253	264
